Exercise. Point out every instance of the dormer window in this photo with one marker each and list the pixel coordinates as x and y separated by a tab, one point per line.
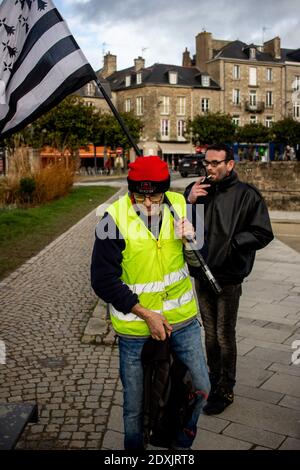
173	78
127	80
252	53
205	80
138	78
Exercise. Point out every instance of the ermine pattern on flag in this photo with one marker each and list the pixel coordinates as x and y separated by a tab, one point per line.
40	62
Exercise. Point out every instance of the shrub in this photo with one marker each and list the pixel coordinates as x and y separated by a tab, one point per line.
27	188
53	182
37	188
9	187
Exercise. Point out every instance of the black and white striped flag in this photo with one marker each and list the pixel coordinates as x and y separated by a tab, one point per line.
40	62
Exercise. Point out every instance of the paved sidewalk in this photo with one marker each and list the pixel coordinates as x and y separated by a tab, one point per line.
266	410
45	306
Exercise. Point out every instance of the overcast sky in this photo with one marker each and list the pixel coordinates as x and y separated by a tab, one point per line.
159	30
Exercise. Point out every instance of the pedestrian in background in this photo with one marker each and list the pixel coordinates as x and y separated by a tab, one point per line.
108	166
119	164
138	267
236	224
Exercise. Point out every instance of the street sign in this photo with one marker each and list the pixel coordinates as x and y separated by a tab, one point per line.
119	150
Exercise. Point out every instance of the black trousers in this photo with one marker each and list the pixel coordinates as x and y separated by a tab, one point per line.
219	316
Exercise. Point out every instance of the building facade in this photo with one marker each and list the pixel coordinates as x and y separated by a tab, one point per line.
258	84
254	84
164	97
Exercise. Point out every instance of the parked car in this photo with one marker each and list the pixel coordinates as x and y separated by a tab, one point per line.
191	165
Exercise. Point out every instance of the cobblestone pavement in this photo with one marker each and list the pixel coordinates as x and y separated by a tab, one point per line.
45	306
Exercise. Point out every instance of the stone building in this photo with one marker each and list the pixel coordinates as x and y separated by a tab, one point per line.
93	97
257	83
254	84
164	97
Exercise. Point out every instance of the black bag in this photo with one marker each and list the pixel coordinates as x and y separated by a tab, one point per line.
169	394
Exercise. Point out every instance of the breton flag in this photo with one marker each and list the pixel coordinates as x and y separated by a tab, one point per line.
40	62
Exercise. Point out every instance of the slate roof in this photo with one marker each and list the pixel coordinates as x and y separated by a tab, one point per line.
157	74
292	55
240	50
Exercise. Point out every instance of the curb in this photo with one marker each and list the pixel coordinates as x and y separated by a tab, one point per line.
98	329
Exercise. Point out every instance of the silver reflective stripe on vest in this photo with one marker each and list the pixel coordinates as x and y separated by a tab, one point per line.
158	286
127	316
176	276
176	303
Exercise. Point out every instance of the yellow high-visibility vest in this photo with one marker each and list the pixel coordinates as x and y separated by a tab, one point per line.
153	269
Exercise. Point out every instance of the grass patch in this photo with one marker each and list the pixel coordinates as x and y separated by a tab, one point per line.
24	232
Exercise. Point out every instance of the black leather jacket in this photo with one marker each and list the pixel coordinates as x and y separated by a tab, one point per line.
237	223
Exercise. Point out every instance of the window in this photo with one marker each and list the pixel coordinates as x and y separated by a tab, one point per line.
138	78
181	102
127	80
165	105
205	105
127	105
236	72
173	78
253	119
269	99
252	98
252	76
252	53
236	120
269	75
205	81
296	83
181	126
139	106
164	128
236	99
90	89
269	121
296	110
89	103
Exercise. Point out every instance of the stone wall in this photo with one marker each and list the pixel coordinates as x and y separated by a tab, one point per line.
279	182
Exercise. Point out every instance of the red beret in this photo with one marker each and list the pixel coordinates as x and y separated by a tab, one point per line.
148	175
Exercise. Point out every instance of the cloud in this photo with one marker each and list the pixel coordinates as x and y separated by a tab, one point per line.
166	27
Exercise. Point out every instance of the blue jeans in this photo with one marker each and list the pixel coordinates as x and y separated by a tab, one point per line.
186	344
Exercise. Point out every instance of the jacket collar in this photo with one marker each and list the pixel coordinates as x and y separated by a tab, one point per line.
226	182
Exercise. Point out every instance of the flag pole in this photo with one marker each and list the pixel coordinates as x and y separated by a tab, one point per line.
118	116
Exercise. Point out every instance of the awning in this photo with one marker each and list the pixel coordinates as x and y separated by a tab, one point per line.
176	148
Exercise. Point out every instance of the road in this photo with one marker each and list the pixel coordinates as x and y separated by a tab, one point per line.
288	233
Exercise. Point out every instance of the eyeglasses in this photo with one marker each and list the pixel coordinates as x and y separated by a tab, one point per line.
213	163
139	198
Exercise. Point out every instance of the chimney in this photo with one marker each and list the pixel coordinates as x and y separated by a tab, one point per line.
186	58
139	63
204	50
110	65
273	47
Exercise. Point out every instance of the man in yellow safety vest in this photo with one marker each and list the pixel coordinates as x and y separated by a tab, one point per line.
138	267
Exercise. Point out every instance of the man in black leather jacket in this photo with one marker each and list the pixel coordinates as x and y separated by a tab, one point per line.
236	223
